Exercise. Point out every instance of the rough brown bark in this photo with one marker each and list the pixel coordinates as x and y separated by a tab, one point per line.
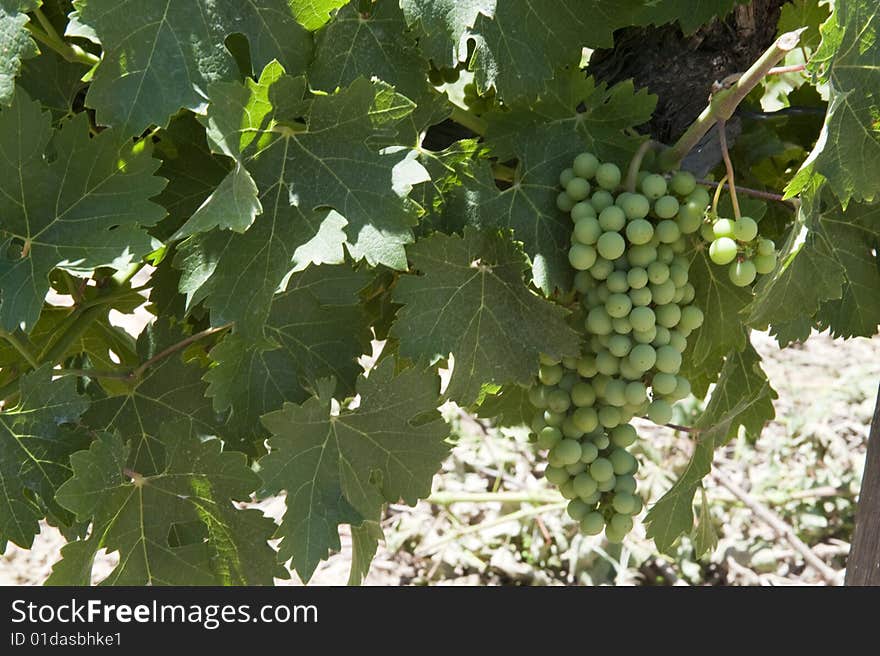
863	565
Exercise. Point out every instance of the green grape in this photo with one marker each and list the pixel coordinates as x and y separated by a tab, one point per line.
621	264
601	469
660	412
583	394
592	524
603	293
538	396
569	362
538	423
635	206
587	366
582	210
601	199
585	165
613	536
435	77
639	504
700	196
612	218
745	228
677	340
589	452
679	245
553	418
766	247
678	274
564	202
558	401
617	282
682	388
654	186
623	503
645	337
620	524
665	255
666	207
611	245
547	359
569	378
723	250
642	357
628	372
576	468
577	189
706	232
598	322
765	263
581	257
599	383
550	374
626	483
636	393
602	268
742	273
664	383
662	293
556	475
584	484
691	317
619	345
567	451
567	490
608	176
642	318
688	293
586	419
640	297
607	486
587	230
667	231
621	325
641	255
607	363
577	509
723	228
690	217
583	282
549	437
571	431
639	231
609	416
622	461
637	277
618	305
623	436
450	75
668	360
615	392
565	177
668	315
658	272
683	183
662	336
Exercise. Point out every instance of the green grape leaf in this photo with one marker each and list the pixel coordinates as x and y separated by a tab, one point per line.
847	152
168	392
799	14
377	44
312	14
36	440
364	542
81	210
300	171
163	55
53	81
341	468
470	300
742	384
176	526
443	24
507	405
317	328
16	43
704	537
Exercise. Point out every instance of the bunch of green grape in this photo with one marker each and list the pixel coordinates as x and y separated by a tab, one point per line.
476	102
736	242
632	280
441	76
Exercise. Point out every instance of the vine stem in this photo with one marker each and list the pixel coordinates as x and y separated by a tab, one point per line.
632	173
722	137
780	70
684	429
757	193
52	39
174	348
723	104
449	498
469	120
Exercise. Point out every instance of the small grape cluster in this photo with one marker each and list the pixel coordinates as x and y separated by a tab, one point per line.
632	280
441	76
478	103
736	242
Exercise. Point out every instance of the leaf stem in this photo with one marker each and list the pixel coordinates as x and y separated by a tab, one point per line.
174	348
469	120
717	195
632	173
728	165
50	37
723	104
23	349
780	70
757	193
